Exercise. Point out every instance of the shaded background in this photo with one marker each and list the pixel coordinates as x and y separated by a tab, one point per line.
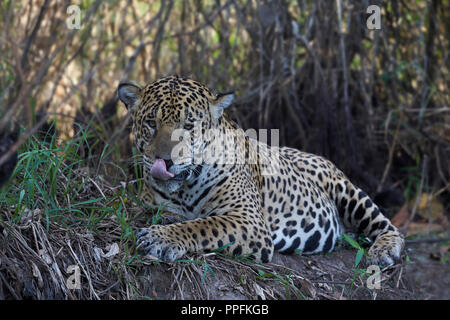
375	102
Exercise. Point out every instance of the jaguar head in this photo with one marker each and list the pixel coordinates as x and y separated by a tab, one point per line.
170	118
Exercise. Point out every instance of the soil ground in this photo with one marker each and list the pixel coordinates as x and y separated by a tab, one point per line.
308	277
35	262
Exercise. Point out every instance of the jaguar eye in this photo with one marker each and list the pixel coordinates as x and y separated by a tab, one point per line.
188	126
152	123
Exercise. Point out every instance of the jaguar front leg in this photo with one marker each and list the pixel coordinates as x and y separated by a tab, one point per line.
238	234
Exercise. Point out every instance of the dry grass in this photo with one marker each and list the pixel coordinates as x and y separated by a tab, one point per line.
35	262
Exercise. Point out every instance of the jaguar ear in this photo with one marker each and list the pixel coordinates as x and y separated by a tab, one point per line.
222	101
129	94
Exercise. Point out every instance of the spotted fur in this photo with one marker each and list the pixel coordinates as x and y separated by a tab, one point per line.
305	205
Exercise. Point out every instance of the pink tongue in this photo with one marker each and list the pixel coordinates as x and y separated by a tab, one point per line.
159	170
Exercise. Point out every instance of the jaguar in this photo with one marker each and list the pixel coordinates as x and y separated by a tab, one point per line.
256	199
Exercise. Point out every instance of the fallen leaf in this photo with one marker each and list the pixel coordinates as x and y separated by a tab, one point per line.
259	291
429	207
307	288
113	250
45	256
401	217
